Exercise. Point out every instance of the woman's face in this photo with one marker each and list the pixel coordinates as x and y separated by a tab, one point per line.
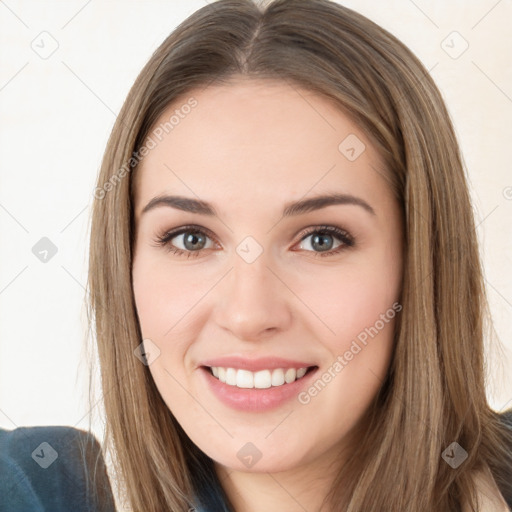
267	279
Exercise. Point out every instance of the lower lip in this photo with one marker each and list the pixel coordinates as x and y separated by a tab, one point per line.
256	400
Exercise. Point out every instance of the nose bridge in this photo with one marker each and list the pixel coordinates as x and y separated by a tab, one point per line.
252	298
250	279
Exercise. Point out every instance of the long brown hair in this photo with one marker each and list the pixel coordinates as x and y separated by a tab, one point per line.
434	393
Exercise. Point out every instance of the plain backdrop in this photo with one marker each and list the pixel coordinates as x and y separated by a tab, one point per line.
66	68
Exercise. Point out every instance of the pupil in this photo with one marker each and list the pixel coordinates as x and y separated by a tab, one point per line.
324	242
191	240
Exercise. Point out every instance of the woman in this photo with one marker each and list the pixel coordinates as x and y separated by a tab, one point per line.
285	279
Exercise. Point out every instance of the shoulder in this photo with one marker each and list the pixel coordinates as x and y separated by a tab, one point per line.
52	468
506	418
16	491
490	498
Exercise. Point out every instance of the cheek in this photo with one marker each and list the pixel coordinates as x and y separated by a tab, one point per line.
163	295
360	308
360	352
147	292
351	299
172	310
163	298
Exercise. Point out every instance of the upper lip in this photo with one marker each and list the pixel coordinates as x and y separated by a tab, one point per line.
254	365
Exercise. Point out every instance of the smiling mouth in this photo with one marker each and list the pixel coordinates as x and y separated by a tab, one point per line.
262	379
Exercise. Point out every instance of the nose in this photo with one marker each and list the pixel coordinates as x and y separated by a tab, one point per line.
253	302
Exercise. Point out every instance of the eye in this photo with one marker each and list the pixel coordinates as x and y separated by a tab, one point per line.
194	240
191	238
323	240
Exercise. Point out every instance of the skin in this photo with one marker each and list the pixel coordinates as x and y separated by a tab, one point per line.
249	147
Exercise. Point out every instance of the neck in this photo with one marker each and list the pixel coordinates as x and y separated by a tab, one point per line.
294	490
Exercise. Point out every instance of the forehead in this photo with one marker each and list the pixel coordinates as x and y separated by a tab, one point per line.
257	138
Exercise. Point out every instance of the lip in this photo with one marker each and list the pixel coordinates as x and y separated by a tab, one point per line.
256	400
255	365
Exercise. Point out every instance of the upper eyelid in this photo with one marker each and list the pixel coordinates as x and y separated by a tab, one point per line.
172	233
305	232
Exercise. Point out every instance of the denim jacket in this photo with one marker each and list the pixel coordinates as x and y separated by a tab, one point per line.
46	469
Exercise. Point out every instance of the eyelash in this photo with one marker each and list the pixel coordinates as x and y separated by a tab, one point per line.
343	236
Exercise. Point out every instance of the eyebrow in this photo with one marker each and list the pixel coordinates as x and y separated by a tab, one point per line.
188	204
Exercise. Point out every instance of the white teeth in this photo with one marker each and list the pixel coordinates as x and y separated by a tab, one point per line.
244	379
278	377
301	372
231	376
262	379
290	375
